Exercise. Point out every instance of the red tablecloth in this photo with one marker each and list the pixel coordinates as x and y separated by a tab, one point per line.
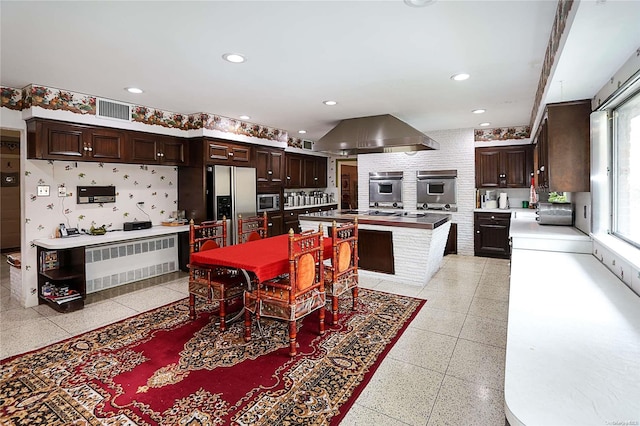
266	258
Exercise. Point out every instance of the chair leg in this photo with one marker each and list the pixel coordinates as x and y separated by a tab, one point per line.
223	313
192	306
292	338
322	320
354	292
247	325
334	308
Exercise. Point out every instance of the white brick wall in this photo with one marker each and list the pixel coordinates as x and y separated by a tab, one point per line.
417	253
456	151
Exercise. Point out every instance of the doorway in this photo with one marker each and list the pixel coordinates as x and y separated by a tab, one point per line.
10	190
348	184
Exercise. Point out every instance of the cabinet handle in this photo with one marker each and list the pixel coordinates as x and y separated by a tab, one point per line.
231	154
90	149
493	217
269	224
477	232
85	148
269	172
288	177
315	178
542	168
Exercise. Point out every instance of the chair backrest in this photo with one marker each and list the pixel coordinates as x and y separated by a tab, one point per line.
207	235
306	271
344	241
252	228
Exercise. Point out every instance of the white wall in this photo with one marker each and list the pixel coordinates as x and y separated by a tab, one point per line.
456	152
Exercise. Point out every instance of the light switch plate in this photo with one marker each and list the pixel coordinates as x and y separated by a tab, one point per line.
43	190
62	191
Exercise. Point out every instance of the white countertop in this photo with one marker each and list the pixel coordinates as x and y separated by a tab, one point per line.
109	237
573	343
524	225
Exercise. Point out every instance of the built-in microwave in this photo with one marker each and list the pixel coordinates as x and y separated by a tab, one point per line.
268	202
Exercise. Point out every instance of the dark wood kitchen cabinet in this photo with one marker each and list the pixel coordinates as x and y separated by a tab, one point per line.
275	223
226	153
491	234
504	167
149	148
294	164
269	166
306	171
55	140
562	154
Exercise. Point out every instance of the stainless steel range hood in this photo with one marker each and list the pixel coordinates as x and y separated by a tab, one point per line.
375	134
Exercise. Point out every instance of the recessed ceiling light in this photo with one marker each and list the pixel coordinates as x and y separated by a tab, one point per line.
479	111
133	90
485	124
330	103
236	58
302	132
419	3
244	117
460	77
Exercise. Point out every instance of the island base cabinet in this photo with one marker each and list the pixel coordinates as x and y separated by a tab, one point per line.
61	278
375	251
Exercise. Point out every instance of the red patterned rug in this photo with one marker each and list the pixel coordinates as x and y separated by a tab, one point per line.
161	368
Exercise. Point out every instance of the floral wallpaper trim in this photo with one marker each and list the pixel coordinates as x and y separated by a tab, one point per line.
11	98
58	99
502	133
559	23
238	127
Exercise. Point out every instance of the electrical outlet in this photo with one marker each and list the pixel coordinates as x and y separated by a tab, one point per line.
43	190
62	191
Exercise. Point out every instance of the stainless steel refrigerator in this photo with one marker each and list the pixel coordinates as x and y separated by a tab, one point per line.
231	191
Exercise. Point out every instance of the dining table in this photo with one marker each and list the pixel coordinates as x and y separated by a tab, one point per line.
258	260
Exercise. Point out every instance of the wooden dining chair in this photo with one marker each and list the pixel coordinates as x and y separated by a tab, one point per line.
216	284
295	295
341	275
252	228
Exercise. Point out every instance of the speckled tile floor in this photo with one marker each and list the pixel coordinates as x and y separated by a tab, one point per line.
446	369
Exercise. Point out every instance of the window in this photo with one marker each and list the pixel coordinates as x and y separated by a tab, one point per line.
626	179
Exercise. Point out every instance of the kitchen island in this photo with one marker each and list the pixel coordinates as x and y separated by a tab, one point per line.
398	246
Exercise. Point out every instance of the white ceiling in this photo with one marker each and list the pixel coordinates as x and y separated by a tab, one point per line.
373	57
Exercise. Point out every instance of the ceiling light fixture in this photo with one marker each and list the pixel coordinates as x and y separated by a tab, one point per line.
302	132
419	3
235	58
485	124
479	111
133	90
460	76
330	103
244	117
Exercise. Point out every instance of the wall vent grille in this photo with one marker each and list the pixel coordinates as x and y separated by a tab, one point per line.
113	110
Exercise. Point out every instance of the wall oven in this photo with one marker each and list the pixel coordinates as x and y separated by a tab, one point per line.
385	189
436	190
268	202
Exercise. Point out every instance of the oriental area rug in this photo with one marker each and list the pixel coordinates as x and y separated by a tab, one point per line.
160	368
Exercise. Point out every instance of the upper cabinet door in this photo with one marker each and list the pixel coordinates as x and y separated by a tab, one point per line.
269	166
144	148
106	145
504	167
218	152
487	168
293	177
54	140
148	148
